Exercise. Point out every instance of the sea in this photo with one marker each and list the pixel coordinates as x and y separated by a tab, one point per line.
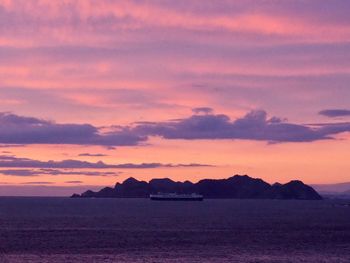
67	230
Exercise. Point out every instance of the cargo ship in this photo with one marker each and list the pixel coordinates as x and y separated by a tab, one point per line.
175	197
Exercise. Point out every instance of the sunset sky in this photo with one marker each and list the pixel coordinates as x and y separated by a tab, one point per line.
93	92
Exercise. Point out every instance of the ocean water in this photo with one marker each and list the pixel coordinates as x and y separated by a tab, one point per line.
140	230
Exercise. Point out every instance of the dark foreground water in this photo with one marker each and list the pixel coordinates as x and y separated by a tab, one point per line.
139	230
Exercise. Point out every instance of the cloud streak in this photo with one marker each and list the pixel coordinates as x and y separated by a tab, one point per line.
50	167
73	182
92	155
19	172
38	183
53	172
332	113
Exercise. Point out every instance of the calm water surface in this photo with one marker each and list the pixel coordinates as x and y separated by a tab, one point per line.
140	230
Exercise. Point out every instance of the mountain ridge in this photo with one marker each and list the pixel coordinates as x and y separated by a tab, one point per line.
235	187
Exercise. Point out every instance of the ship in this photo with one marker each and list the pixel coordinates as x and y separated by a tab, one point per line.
176	197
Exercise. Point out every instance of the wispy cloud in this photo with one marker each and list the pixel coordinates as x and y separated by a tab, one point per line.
73	182
49	171
53	172
19	172
55	167
92	155
11	145
38	183
205	110
335	113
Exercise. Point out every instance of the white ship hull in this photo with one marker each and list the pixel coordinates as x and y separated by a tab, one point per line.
176	197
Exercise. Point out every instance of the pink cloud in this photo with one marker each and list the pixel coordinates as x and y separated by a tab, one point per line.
78	22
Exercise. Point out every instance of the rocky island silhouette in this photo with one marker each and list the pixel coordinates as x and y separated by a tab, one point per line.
235	187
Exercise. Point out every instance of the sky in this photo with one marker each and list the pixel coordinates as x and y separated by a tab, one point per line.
94	92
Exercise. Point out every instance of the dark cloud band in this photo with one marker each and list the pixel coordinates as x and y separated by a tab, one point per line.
16	129
255	125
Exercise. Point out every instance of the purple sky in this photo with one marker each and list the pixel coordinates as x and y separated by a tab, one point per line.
256	87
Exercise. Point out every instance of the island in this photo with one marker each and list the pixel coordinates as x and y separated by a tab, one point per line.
235	187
